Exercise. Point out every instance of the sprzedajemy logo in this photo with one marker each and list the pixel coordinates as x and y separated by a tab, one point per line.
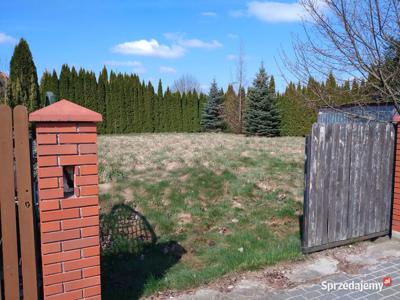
356	285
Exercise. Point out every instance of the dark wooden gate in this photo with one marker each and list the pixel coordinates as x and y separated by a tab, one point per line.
18	265
348	184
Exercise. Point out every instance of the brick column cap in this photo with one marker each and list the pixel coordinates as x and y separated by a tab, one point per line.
65	111
396	118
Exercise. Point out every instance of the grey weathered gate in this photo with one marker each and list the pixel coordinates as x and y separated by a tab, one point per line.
348	184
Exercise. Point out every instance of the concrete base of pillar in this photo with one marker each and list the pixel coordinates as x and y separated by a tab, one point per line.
396	235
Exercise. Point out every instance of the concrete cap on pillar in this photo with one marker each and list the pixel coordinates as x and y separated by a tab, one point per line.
65	111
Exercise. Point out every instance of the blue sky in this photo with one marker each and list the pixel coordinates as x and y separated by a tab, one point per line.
157	39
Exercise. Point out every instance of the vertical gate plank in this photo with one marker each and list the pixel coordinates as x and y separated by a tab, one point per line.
332	178
355	162
368	181
320	214
364	184
383	166
312	195
314	185
306	191
378	179
342	223
387	172
8	214
24	192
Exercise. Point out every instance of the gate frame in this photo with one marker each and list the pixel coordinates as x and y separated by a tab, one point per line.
305	224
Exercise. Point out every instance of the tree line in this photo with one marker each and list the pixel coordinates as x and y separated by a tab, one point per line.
130	105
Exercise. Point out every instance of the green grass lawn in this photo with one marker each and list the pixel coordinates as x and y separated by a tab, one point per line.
231	202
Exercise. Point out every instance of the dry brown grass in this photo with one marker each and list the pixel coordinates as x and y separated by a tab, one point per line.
156	155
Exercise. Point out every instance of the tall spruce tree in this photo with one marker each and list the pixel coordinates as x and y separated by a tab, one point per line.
23	87
262	114
212	118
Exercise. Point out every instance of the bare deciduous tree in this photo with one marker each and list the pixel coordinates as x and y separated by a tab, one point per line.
186	83
357	41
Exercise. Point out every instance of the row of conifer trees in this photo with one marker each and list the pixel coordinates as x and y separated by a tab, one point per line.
128	105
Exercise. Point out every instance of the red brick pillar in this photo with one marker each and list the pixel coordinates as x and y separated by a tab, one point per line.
68	200
396	196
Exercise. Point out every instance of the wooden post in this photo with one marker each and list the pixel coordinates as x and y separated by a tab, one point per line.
25	207
68	200
7	199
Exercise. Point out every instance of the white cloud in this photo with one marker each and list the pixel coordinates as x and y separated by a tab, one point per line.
231	57
233	36
179	39
150	48
126	63
167	70
7	39
274	12
209	14
153	48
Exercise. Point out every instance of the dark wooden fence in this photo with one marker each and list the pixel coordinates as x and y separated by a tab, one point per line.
18	265
348	184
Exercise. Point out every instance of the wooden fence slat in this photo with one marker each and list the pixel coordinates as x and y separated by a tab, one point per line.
342	223
25	207
313	186
319	200
388	172
363	185
367	201
352	219
306	190
331	199
8	214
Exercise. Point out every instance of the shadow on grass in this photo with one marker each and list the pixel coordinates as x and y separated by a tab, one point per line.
131	256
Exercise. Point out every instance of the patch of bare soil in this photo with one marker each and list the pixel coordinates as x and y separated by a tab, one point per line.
245	154
128	195
265	186
105	188
277	222
183	178
184	218
341	254
171	166
349	268
237	204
